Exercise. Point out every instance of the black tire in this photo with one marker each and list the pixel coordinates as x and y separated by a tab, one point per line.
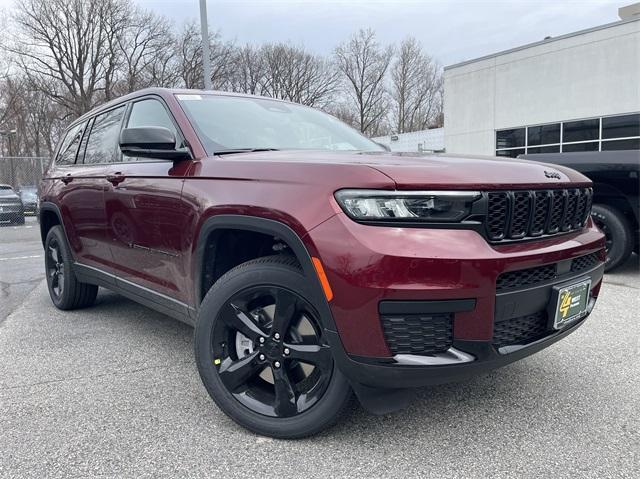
286	278
618	234
65	290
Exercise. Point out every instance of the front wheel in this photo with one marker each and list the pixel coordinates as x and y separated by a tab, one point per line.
262	354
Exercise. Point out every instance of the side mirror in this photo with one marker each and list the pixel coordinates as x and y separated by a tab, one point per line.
151	142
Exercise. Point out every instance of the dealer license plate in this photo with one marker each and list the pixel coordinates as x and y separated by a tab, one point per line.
572	304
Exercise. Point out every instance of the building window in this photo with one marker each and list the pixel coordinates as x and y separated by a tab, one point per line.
620	132
543	149
631	144
624	126
511	153
510	138
583	130
587	146
543	134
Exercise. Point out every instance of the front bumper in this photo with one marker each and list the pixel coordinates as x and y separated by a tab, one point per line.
10	213
470	358
368	266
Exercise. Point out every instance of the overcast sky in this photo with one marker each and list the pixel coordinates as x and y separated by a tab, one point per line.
451	31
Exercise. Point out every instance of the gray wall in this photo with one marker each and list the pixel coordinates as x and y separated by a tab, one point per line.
586	74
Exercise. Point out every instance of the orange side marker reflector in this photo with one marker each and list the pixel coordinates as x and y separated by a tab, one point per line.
323	278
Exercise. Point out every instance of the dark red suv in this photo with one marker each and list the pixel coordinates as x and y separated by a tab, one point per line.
311	261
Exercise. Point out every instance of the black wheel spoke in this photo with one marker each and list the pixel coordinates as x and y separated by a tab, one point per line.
314	354
285	402
235	374
286	309
238	319
271	329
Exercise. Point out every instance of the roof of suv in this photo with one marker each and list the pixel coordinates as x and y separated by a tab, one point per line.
163	92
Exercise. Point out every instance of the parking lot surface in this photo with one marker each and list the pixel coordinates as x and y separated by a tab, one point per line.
113	391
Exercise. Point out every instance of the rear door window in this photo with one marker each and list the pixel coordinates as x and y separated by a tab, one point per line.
102	146
69	146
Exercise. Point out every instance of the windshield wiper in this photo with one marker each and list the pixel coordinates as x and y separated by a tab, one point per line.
242	150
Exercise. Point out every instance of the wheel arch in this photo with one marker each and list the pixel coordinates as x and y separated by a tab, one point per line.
262	226
611	196
49	216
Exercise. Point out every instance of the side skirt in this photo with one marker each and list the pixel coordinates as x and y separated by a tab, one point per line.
145	296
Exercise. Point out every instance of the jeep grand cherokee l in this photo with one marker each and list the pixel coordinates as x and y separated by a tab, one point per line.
311	262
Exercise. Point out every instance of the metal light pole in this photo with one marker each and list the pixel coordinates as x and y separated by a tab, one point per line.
206	59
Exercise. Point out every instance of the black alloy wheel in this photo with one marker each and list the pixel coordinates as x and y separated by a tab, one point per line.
262	354
64	288
55	268
269	348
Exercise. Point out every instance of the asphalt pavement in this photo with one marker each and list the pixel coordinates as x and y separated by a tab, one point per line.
113	391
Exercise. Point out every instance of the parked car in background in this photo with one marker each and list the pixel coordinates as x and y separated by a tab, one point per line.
616	196
311	261
11	208
29	197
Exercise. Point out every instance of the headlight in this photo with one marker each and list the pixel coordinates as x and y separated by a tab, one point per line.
423	206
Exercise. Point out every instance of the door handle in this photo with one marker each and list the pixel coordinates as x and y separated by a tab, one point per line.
67	179
116	178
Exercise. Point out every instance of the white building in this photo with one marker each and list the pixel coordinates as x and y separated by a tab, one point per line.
423	140
576	92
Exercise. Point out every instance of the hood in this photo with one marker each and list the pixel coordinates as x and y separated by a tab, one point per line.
8	194
440	171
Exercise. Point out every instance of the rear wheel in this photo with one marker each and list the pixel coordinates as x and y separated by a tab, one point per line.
65	290
262	354
618	237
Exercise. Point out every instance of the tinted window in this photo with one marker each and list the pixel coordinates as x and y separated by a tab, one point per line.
102	146
581	130
510	138
621	126
543	149
633	144
592	146
510	153
544	134
150	113
69	146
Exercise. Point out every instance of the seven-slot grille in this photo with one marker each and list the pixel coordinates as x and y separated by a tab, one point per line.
418	333
522	214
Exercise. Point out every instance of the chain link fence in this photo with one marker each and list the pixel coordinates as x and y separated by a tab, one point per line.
21	171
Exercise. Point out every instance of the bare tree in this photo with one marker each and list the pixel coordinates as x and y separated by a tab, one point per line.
67	42
34	117
146	48
290	73
416	84
248	71
364	64
189	52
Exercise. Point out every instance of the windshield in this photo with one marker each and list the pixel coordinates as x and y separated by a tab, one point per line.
239	123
